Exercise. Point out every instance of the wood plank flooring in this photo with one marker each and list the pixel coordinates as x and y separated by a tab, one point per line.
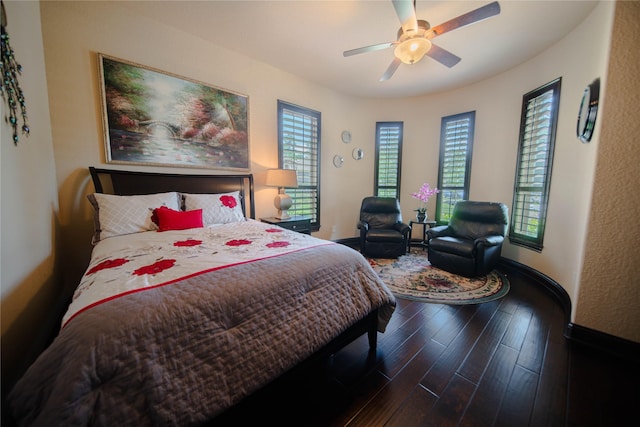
502	363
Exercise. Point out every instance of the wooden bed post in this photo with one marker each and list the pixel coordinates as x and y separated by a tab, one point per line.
372	332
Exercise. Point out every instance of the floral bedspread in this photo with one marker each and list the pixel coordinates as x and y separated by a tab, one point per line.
156	337
151	259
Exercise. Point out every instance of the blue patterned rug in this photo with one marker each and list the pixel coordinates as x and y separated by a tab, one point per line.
412	277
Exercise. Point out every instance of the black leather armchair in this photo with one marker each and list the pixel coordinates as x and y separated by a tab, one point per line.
382	232
472	242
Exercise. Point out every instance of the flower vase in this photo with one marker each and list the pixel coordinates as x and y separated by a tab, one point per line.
421	216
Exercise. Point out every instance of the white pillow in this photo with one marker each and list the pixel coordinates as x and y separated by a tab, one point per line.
116	215
216	208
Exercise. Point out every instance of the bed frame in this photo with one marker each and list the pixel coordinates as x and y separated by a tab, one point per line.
121	182
126	183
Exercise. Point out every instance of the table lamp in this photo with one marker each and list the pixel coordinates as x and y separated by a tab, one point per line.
282	178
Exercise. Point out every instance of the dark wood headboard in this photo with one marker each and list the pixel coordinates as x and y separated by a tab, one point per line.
127	183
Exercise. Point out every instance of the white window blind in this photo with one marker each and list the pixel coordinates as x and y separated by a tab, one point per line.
299	146
388	159
535	159
456	143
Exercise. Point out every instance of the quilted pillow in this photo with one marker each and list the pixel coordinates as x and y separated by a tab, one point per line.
116	215
216	208
169	219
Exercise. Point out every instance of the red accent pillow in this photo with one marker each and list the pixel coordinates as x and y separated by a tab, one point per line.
169	219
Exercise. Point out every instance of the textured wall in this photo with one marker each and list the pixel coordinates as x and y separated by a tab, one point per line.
29	278
609	296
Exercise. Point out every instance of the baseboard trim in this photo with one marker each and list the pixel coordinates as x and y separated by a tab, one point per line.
544	281
616	346
577	334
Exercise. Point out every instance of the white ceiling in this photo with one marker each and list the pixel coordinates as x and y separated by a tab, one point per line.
307	38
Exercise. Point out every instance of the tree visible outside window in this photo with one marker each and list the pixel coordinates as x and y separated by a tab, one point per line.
454	171
388	159
535	159
299	149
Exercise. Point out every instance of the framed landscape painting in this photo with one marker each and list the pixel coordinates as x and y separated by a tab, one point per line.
156	118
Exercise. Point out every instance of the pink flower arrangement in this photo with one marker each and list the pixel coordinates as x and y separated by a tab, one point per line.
423	195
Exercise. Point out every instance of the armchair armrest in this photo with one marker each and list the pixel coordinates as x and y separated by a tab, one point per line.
402	228
363	226
493	240
438	231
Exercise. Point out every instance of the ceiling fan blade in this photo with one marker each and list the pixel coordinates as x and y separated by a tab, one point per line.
371	48
392	69
443	56
407	14
468	18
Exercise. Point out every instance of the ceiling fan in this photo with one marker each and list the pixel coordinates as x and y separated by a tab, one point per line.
414	36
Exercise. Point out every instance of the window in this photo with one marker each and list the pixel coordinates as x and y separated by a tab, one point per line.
533	170
299	149
388	159
454	171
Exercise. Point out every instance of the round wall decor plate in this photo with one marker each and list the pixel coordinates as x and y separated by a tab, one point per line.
338	161
346	136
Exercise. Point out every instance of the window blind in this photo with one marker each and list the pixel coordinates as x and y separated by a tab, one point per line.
456	142
533	171
299	146
388	159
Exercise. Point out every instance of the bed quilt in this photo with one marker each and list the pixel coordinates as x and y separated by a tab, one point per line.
155	337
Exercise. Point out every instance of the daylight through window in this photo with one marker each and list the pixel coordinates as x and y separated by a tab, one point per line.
454	172
388	159
535	159
299	149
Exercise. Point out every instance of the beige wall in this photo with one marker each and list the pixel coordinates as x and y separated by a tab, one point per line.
28	205
74	32
609	297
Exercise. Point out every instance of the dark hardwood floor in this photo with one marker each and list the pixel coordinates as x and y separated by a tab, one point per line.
502	363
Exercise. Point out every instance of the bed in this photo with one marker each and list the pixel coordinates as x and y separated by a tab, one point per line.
188	308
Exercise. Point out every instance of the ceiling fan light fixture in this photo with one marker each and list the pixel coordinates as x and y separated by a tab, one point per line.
412	50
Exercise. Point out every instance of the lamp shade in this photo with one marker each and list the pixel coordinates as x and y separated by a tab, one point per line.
282	178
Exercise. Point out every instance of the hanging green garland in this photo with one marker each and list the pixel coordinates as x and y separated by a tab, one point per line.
9	86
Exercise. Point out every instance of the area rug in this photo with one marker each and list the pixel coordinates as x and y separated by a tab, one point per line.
412	277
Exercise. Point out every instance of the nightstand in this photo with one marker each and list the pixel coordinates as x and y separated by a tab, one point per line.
424	243
301	224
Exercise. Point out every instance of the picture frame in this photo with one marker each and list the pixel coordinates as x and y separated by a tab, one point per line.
152	117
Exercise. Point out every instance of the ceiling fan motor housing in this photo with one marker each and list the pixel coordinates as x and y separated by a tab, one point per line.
423	27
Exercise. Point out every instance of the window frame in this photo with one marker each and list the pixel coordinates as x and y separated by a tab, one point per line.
398	171
313	152
517	237
444	140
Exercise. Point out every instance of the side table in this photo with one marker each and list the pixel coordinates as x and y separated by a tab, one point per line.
423	243
300	224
